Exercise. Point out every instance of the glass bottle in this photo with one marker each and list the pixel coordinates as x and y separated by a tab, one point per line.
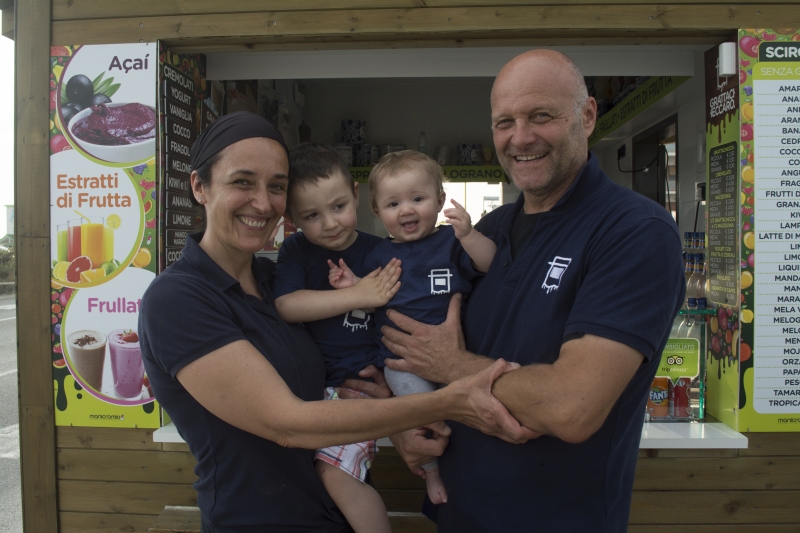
422	143
687	327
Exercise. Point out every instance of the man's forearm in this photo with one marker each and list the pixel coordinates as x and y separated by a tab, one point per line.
465	364
522	392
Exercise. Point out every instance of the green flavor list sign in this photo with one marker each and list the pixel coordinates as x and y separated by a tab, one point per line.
647	94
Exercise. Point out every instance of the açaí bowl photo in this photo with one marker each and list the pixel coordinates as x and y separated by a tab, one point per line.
116	132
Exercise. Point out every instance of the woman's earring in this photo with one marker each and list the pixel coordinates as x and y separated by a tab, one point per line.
200	200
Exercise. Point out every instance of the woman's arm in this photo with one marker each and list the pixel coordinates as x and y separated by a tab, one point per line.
374	290
237	384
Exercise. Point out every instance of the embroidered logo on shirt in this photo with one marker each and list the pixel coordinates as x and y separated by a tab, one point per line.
357	319
553	278
440	280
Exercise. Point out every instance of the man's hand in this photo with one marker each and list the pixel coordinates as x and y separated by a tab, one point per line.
437	353
353	389
417	450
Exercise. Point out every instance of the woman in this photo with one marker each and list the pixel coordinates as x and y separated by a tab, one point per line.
242	385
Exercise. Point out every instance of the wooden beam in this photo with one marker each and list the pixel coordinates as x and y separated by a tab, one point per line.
732	473
104	522
715	507
126	465
726	528
457	40
395	23
767	444
124	498
106	439
32	230
93	9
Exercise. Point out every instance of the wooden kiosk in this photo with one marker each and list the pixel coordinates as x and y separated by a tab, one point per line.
81	479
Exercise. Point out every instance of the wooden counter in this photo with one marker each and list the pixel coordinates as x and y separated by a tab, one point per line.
120	480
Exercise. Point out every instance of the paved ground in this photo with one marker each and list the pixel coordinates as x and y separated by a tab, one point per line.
10	500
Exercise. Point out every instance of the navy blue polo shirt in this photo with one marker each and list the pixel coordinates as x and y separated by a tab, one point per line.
246	484
433	269
347	341
603	261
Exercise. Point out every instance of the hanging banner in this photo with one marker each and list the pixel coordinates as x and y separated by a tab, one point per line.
182	87
722	212
771	125
754	370
103	230
650	92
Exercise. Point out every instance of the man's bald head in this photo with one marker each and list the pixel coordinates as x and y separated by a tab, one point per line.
549	63
542	117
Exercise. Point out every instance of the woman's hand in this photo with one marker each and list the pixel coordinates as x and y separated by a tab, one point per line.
483	411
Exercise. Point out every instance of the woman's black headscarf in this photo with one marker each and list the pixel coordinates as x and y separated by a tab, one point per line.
230	129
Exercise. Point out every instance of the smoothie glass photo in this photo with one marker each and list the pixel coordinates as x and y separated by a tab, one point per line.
87	355
73	239
126	363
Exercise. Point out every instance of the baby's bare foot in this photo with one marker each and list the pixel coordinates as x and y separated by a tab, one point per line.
436	490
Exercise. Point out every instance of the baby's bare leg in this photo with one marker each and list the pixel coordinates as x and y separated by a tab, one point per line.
434	484
360	503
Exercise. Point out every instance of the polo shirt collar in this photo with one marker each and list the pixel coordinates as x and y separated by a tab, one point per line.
585	182
202	262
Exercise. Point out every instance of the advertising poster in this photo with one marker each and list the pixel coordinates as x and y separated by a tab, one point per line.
103	230
182	88
723	200
770	136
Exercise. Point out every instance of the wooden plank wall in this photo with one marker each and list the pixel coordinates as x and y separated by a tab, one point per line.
32	230
112	480
119	480
210	25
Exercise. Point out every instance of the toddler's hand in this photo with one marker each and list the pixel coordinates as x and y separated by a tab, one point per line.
380	285
459	218
340	276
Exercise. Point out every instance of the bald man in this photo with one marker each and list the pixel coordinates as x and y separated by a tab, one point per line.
582	292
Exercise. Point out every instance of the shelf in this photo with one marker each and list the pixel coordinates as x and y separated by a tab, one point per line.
655	435
698	312
690	435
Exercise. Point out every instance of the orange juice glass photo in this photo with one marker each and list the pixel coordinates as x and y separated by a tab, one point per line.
92	239
108	244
